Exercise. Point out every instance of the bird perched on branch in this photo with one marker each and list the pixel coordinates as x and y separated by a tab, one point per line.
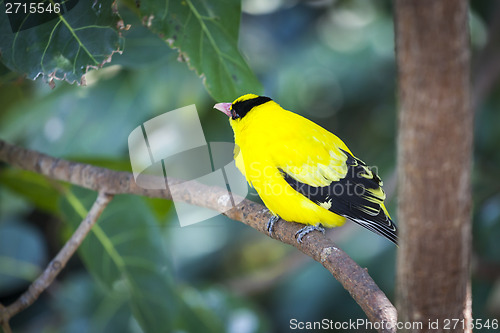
302	172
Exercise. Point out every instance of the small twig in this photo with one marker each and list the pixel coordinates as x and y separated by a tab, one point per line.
57	264
4	321
352	277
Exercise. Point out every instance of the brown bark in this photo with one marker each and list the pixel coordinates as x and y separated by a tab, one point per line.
434	166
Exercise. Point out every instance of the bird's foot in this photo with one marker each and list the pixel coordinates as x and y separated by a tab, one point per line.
307	229
270	224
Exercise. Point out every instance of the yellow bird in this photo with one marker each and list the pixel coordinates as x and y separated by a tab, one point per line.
302	172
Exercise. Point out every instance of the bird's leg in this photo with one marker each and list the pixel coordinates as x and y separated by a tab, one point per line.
307	229
270	224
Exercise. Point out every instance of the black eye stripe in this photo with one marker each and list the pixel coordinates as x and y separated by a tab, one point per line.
243	107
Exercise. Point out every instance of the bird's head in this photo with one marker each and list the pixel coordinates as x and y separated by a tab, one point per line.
241	106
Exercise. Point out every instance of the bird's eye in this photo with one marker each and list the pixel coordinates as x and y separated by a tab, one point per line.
234	115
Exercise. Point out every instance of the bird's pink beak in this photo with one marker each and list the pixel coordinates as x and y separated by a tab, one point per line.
224	107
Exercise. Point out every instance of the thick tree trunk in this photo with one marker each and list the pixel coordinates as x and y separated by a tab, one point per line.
434	164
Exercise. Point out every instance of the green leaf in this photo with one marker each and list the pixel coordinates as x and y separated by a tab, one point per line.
125	253
34	187
22	255
206	36
84	306
83	35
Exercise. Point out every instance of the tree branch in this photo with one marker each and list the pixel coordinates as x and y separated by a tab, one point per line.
57	264
352	277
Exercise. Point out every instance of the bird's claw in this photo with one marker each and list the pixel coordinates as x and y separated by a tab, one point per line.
307	229
270	224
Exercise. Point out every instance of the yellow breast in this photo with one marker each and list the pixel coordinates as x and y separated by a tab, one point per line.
285	141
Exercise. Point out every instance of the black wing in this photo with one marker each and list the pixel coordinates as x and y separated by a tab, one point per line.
354	196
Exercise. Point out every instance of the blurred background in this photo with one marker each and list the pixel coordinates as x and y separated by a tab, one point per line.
331	61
